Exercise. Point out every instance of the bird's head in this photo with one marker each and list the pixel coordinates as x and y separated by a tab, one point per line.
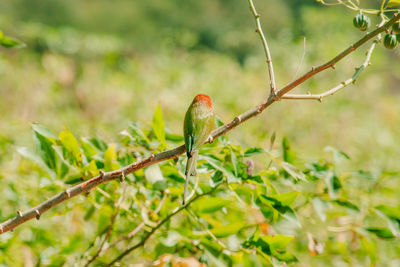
202	99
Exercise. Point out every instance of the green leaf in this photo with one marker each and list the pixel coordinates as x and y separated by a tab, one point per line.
234	161
393	3
293	171
209	205
272	246
287	153
337	154
320	206
88	148
227	230
9	42
217	178
158	126
71	145
334	184
44	142
44	131
29	154
277	242
391	212
253	151
381	232
286	199
346	204
174	137
110	159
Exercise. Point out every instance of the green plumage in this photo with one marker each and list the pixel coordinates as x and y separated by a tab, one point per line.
199	122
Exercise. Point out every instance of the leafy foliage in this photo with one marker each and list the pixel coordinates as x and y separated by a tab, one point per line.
245	210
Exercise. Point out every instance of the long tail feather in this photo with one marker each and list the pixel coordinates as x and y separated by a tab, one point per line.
190	171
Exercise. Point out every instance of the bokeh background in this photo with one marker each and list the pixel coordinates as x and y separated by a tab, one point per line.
94	66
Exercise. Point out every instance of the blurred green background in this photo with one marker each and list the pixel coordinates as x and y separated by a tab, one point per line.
94	66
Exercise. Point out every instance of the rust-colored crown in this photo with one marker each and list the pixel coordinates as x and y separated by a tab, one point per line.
204	99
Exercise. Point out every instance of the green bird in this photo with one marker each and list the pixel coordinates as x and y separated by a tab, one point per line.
199	122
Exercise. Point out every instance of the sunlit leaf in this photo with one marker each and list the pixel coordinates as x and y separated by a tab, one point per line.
227	230
45	140
158	126
209	205
393	3
110	159
69	142
287	152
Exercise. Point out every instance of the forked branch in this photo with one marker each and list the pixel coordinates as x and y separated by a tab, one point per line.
104	177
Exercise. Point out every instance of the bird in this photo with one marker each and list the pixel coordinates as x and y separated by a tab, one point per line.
198	124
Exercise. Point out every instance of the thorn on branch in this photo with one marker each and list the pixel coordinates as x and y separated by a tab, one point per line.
237	119
320	99
1	229
352	48
333	66
210	139
102	173
67	193
257	16
19	213
257	30
313	68
37	214
152	156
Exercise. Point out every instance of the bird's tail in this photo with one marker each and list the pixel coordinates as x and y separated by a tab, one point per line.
190	171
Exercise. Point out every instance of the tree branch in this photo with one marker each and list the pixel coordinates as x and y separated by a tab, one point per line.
103	177
343	84
266	48
340	86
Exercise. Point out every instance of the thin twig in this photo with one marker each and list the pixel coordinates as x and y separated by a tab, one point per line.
104	177
343	84
109	230
139	227
152	231
266	48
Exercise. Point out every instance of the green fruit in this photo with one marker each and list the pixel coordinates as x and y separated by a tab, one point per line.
396	27
361	22
390	41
